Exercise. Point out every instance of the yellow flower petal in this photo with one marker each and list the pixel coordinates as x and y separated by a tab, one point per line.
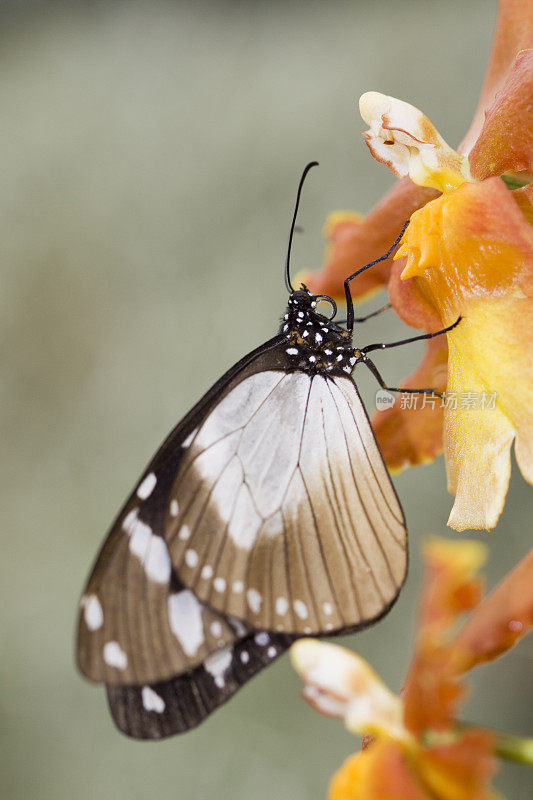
402	137
341	684
471	253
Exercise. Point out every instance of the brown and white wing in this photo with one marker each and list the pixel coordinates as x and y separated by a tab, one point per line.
138	623
287	516
161	709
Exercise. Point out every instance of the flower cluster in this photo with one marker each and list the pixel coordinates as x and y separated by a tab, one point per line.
468	252
416	749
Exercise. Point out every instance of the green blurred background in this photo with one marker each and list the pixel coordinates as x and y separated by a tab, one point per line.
149	158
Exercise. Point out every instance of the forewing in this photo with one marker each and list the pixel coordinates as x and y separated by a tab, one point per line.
156	710
138	623
284	496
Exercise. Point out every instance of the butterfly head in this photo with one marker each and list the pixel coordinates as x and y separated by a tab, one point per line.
315	343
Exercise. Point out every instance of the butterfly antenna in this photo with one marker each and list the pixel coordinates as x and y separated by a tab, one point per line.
288	283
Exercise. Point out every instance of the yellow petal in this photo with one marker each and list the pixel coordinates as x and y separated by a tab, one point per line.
471	252
402	137
341	684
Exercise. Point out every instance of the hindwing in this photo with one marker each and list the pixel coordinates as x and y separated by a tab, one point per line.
177	705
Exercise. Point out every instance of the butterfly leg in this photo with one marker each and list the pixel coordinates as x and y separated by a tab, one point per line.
374	370
386	345
347	292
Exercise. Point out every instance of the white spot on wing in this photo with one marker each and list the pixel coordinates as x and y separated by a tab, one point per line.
281	606
92	612
238	587
328	608
217	664
174	508
140	535
115	656
216	629
185	533
219	584
301	609
262	638
185	618
157	563
245	656
254	600
152	701
191	558
207	572
145	489
240	629
150	549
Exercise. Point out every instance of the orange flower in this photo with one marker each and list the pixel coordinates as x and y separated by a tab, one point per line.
469	252
418	751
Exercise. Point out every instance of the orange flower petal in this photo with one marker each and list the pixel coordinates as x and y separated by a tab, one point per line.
412	435
353	242
381	772
514	32
451	587
409	301
506	139
503	618
471	251
461	770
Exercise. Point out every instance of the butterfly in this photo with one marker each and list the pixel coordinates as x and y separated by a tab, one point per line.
266	515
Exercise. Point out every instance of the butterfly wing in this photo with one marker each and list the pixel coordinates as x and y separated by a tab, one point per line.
185	563
166	708
138	622
284	497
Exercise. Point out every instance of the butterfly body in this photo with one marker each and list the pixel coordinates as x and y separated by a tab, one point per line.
314	343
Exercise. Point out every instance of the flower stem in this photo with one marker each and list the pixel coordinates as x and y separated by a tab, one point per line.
514	748
506	745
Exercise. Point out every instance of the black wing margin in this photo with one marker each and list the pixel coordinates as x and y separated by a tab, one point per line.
163	709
